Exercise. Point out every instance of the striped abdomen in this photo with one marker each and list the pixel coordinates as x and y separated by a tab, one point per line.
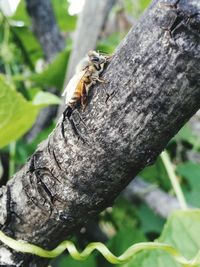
80	93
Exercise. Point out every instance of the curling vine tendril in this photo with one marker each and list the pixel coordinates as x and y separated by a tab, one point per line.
24	247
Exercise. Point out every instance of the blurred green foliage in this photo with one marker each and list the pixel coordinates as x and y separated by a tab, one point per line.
186	135
21	14
17	114
150	223
180	231
22	93
190	172
136	7
66	22
28	43
54	74
69	262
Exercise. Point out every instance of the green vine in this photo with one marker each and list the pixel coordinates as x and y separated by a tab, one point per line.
174	179
24	247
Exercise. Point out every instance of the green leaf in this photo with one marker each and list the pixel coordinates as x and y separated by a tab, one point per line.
70	262
123	213
186	135
180	231
150	222
125	237
109	44
43	99
54	74
21	13
144	4
24	149
191	172
17	114
157	174
136	7
28	43
152	259
65	21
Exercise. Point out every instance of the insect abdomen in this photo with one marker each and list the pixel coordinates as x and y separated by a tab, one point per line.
76	96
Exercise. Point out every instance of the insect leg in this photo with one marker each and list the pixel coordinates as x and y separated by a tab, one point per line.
67	114
103	81
192	16
174	5
108	96
81	119
108	58
75	130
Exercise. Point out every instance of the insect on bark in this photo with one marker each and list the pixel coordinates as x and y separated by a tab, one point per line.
76	92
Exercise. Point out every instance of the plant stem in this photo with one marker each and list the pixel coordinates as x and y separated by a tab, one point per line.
173	178
5	46
12	148
24	247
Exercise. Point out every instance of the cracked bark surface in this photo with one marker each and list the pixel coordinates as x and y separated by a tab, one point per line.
156	80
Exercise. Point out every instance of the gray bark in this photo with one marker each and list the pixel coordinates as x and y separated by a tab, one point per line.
156	82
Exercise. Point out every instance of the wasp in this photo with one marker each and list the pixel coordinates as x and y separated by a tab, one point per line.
87	73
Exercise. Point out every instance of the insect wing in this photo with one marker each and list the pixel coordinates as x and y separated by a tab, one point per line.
71	86
82	65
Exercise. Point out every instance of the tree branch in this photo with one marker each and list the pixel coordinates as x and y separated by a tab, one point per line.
45	27
156	82
159	201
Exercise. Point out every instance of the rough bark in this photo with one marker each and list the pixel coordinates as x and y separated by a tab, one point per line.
156	82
